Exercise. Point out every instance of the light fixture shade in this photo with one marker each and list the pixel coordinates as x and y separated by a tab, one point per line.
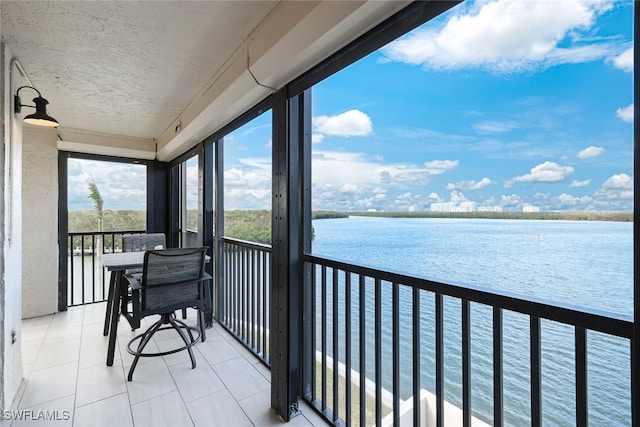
40	117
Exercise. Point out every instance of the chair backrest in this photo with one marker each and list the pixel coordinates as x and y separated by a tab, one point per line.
143	242
172	278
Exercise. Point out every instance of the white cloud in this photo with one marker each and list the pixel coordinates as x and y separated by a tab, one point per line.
626	113
413	202
544	172
248	185
615	193
316	138
510	200
624	61
436	167
590	152
494	126
457	197
349	197
339	168
352	180
567	200
506	36
577	184
618	182
349	123
470	185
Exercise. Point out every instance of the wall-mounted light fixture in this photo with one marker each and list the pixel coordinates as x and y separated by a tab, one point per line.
40	117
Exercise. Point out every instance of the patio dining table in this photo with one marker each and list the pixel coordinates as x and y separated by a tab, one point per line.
117	263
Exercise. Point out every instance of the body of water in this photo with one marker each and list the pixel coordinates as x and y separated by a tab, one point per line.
588	264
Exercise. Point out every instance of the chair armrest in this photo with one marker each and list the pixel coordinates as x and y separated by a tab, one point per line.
133	282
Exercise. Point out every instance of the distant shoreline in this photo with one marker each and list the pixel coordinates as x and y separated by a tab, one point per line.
551	216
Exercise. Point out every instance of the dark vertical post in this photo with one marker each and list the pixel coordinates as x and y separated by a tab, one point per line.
158	197
208	220
335	317
582	414
362	347
497	368
635	342
466	363
347	346
291	125
266	288
323	336
253	284
416	354
173	238
241	268
218	229
310	343
439	360
308	320
395	350
536	371
377	321
63	231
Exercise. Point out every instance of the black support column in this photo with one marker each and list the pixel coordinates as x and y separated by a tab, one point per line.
158	197
291	123
208	219
218	297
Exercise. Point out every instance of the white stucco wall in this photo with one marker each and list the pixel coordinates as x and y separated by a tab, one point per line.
11	294
39	221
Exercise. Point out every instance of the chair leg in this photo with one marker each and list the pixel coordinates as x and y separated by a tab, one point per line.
201	325
176	325
143	343
184	313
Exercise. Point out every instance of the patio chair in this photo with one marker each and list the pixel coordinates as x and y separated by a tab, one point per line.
138	243
143	242
172	279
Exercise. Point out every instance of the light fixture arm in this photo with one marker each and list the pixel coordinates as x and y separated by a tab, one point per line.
18	103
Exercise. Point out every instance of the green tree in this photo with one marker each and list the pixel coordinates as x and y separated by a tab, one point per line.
94	194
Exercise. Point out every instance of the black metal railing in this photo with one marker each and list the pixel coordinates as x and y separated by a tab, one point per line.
243	293
87	280
379	340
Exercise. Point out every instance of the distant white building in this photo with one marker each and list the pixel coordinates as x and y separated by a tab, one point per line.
489	208
530	208
453	207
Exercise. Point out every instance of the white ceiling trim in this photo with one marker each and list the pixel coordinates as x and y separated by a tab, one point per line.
84	141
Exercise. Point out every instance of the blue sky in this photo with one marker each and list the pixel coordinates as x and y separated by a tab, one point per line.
498	102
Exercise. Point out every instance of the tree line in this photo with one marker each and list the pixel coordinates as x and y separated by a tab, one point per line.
255	225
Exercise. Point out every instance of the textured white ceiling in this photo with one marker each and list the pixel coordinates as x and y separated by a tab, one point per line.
126	68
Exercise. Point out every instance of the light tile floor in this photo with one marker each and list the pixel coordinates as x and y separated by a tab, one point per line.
66	377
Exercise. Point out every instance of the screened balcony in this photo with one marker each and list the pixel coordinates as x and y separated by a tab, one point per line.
294	336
